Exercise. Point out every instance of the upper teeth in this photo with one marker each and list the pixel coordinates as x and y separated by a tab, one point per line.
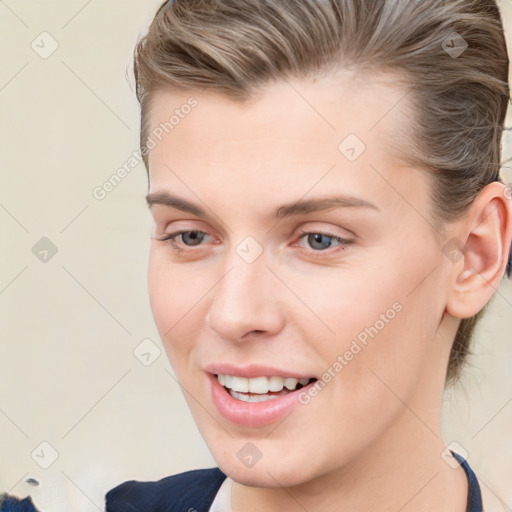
259	384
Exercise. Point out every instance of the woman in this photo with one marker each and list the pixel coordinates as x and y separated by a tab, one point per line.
329	225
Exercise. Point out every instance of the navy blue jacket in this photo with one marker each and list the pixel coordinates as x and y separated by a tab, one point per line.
12	504
195	491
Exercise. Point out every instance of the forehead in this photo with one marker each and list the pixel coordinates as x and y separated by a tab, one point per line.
286	138
323	110
326	103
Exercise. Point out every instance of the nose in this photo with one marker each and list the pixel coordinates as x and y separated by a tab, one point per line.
246	302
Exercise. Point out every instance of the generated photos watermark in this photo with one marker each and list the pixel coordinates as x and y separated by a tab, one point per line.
100	192
357	345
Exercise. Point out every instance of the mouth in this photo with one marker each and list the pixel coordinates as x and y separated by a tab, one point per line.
257	395
261	389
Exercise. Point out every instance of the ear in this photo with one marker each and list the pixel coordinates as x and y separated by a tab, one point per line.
485	239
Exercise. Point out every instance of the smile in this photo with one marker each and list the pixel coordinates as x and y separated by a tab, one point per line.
259	389
259	405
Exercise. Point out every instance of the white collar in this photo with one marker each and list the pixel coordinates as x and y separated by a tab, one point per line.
222	501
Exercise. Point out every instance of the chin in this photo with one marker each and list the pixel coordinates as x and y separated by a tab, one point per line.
266	475
279	465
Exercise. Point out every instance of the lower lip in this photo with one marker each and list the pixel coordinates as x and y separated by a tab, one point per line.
253	414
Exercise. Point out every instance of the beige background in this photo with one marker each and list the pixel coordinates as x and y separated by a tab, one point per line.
68	374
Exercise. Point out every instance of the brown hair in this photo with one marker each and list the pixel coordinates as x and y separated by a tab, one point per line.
460	100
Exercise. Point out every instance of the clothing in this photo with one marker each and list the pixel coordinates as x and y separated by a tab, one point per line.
196	491
474	493
12	504
222	501
192	491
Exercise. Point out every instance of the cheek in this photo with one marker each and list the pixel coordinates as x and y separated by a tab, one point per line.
173	289
377	319
340	303
160	292
172	295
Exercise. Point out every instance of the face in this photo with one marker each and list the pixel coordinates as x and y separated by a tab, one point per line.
270	280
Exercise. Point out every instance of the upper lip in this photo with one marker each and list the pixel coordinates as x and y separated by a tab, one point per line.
253	370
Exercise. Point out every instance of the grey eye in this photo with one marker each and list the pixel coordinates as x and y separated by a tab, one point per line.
195	237
319	241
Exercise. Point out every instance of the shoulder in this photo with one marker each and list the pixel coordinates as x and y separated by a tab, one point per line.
192	490
11	504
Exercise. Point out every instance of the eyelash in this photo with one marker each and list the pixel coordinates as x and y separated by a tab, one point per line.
343	243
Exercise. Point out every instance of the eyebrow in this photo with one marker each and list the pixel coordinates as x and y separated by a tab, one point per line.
288	210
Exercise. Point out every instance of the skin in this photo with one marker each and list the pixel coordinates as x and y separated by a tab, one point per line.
371	439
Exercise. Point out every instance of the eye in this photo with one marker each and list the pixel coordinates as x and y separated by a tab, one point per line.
320	242
189	238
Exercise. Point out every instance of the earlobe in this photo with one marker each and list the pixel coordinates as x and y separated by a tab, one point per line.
486	237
